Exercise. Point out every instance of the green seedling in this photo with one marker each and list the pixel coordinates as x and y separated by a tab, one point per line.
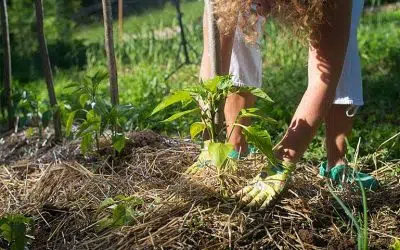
121	211
99	116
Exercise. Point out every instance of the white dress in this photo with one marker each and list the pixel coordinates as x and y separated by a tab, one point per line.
246	64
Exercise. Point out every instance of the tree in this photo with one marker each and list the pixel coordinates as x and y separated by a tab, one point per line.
109	46
47	69
121	19
7	65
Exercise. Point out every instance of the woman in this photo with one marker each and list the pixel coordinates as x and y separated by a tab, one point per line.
334	92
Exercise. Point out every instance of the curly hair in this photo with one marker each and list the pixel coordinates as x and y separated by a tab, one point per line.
302	17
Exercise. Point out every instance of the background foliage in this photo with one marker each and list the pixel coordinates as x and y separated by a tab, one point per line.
149	53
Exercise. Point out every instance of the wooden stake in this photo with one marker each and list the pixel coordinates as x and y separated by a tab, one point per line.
47	68
109	46
214	41
121	20
7	65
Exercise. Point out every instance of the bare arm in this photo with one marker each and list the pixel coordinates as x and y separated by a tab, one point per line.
326	60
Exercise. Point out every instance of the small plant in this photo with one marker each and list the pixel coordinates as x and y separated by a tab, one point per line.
13	229
99	116
208	98
123	211
33	112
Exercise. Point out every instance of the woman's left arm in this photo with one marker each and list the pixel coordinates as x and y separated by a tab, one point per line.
326	58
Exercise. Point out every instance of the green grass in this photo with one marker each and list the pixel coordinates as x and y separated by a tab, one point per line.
150	19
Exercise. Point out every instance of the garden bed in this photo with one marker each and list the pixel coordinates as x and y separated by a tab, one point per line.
63	190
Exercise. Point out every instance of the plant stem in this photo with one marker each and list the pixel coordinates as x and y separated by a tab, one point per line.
97	142
365	214
234	126
364	235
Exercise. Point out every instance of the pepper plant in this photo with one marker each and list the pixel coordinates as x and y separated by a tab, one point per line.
209	97
99	117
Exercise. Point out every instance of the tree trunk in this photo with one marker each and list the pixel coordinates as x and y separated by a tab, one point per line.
47	69
121	20
7	65
109	46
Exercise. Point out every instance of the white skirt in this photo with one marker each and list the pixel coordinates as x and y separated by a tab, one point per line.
246	64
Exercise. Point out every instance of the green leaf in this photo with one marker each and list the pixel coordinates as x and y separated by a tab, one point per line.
83	100
13	229
178	96
86	128
70	121
219	153
260	94
91	116
196	128
119	142
260	139
395	245
72	85
5	230
102	107
212	84
122	215
253	113
225	83
86	143
106	203
19	236
180	114
92	124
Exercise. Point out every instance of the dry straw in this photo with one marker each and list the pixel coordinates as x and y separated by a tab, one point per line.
62	190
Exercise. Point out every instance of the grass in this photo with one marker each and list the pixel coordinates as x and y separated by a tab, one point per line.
153	19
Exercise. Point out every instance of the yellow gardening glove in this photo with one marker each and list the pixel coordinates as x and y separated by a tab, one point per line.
265	188
203	161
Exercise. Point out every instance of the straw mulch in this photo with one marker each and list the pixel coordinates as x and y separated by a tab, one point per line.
62	191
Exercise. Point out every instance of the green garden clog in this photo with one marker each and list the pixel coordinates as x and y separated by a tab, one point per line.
345	174
235	155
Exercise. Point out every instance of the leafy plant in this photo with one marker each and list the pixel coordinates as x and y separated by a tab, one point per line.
99	116
13	229
209	97
123	211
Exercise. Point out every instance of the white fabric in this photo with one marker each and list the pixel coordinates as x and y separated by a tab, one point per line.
349	89
246	64
246	61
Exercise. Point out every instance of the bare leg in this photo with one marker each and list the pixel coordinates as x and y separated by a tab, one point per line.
233	105
337	126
